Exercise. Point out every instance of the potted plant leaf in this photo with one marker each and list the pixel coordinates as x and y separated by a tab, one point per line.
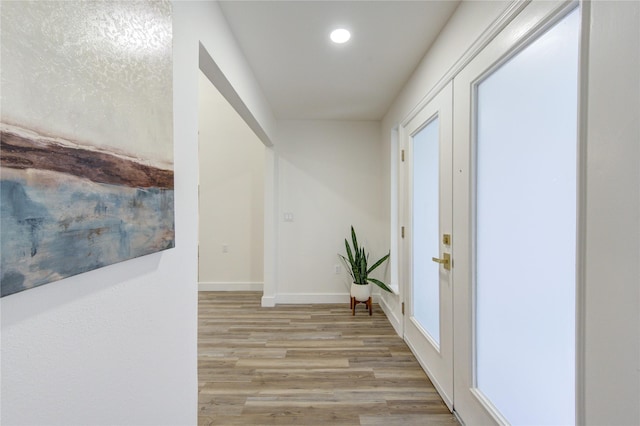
357	263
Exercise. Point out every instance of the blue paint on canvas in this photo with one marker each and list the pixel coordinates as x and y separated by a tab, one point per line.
48	233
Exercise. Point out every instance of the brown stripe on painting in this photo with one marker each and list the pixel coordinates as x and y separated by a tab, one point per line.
20	152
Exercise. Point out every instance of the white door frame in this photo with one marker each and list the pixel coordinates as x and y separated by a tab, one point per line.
436	360
522	29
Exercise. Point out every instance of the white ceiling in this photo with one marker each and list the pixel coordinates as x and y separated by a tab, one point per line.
306	76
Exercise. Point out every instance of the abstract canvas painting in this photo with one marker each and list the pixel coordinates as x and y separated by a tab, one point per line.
86	150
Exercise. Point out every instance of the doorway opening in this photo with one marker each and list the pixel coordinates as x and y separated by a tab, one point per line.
231	196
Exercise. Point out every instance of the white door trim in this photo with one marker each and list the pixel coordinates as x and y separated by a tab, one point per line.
436	359
535	18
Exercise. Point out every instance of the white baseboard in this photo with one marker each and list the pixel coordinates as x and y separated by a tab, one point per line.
392	316
233	286
311	298
268	301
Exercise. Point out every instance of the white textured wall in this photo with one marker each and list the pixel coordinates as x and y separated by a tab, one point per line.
118	345
231	196
329	178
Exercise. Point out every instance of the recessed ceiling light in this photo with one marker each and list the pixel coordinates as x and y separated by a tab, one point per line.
340	35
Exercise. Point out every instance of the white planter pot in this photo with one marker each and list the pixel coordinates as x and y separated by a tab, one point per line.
361	292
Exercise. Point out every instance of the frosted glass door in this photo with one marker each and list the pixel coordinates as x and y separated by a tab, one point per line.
426	230
526	230
522	235
428	321
515	210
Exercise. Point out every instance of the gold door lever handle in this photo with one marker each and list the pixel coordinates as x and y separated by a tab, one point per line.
445	261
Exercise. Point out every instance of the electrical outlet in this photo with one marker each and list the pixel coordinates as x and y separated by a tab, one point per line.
225	248
288	217
336	269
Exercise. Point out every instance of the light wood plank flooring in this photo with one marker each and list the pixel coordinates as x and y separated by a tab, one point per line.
307	365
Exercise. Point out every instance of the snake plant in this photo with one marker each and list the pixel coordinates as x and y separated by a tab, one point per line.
356	263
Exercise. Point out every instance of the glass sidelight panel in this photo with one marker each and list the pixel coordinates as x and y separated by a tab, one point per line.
426	208
526	230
